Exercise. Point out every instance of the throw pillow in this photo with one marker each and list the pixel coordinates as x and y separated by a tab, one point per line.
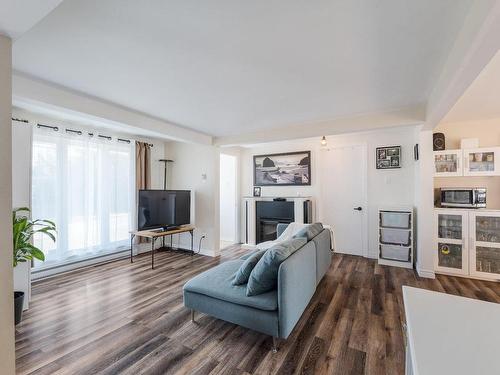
246	256
264	276
241	276
310	231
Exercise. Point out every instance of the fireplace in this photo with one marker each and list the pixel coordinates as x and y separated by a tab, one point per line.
268	215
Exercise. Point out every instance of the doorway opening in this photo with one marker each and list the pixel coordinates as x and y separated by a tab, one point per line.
228	200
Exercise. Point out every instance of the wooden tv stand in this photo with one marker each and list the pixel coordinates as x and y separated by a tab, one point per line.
155	234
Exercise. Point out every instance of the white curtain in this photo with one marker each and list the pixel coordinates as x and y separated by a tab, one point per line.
86	185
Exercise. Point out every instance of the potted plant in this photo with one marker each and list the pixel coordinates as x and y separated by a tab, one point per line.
23	230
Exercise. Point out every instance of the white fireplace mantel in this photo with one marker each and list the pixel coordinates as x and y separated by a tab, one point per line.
249	209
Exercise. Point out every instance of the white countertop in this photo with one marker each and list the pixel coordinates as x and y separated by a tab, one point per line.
451	335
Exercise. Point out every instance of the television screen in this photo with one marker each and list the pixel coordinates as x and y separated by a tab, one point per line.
163	208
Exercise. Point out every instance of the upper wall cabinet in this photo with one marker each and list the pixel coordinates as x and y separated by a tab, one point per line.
482	162
448	163
468	162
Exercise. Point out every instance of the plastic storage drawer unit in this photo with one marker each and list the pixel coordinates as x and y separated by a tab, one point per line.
394	219
398	253
395	236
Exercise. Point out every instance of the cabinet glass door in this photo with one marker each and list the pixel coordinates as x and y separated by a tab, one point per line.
488	260
450	255
451	245
485	257
450	226
482	162
488	229
448	163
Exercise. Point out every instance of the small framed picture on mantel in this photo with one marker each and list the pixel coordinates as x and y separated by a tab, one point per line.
256	191
388	157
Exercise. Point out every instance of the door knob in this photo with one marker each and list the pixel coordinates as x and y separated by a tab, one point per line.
358	208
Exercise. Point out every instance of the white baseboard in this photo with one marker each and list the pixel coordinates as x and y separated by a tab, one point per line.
54	271
426	273
208	252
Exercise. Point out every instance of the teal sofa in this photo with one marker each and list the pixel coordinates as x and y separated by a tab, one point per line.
274	313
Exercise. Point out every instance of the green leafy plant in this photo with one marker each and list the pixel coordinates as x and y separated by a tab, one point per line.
23	231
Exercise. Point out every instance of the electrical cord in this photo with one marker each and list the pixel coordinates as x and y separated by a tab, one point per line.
199	246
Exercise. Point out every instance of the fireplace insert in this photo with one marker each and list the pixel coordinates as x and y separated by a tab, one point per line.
268	215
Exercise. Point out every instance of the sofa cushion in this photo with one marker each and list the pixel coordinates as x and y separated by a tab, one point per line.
310	231
243	273
216	283
264	276
248	255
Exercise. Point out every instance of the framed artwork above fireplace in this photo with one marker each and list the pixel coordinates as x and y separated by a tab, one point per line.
285	169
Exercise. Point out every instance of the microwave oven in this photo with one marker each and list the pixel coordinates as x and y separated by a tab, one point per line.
463	197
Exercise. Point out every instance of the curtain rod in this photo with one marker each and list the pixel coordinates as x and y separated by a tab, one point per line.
79	132
19	120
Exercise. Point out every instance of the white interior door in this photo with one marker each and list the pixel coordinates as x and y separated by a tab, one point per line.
344	197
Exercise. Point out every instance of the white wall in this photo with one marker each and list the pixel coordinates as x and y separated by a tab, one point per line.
228	199
385	187
196	168
21	195
424	198
7	357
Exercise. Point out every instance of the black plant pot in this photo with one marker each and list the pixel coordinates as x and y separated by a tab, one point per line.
18	306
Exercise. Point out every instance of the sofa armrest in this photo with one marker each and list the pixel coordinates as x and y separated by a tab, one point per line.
323	253
280	228
296	286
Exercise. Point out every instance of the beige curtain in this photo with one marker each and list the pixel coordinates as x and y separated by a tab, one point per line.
142	165
142	170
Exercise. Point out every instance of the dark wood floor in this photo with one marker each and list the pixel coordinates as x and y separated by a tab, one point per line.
123	318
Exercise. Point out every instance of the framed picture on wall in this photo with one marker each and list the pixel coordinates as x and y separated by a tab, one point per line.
292	169
388	157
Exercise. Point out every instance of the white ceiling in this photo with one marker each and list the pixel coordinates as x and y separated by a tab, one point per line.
231	67
18	16
481	101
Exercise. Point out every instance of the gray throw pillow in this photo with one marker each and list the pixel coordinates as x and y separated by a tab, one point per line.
264	276
309	231
241	276
248	255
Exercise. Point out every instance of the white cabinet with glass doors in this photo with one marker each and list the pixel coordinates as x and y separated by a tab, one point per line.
485	245
448	163
451	245
482	161
467	162
467	243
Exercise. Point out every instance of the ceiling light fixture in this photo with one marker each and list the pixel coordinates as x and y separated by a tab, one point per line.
323	141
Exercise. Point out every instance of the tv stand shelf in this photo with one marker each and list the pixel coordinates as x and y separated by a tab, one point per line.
154	234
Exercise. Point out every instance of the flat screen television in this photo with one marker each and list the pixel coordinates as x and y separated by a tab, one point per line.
163	208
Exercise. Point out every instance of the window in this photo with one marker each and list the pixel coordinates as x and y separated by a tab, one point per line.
87	187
